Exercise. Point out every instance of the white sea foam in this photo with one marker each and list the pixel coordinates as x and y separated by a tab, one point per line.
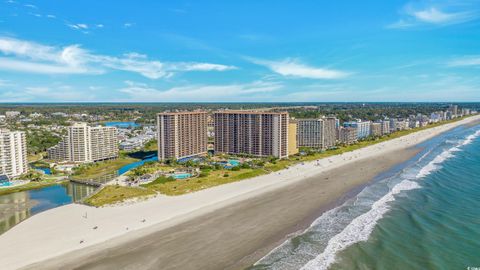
434	164
362	226
359	229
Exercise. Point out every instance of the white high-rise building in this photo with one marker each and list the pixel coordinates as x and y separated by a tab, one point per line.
86	144
13	153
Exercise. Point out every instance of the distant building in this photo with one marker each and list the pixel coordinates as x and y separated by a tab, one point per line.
292	138
347	135
181	134
59	114
401	125
453	109
35	115
86	144
363	128
12	114
255	133
310	133
376	129
330	131
385	127
13	153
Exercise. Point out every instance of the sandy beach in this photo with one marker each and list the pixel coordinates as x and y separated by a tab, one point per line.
225	227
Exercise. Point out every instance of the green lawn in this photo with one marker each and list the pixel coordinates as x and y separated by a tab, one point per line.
115	194
214	178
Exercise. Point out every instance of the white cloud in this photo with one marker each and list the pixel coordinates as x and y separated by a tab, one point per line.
472	60
293	68
4	83
127	25
32	57
28	5
51	16
433	15
54	92
78	26
99	25
202	67
436	13
233	92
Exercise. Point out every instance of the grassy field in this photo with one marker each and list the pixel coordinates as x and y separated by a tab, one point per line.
214	178
219	177
115	194
28	186
98	169
34	157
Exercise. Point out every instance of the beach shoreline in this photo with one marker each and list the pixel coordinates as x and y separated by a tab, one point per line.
65	228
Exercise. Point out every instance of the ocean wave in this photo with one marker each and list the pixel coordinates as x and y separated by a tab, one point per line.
359	229
434	164
362	226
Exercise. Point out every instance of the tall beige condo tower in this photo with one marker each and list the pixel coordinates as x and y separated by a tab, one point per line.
181	134
13	153
253	133
316	133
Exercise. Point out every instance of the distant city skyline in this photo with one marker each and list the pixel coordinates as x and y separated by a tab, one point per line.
250	51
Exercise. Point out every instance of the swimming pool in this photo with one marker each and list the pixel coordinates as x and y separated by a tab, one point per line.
234	162
5	184
181	175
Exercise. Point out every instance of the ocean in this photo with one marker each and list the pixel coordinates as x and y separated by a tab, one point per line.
423	214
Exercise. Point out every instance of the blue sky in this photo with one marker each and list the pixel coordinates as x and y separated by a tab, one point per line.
260	51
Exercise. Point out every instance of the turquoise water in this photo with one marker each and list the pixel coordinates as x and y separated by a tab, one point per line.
233	162
134	165
5	184
424	214
16	207
122	124
44	170
181	175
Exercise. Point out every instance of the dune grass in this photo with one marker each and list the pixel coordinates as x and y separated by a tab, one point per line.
116	194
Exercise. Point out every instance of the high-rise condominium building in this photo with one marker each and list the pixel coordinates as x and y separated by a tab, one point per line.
251	132
181	134
86	144
363	128
347	135
13	153
376	129
317	133
454	109
385	126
